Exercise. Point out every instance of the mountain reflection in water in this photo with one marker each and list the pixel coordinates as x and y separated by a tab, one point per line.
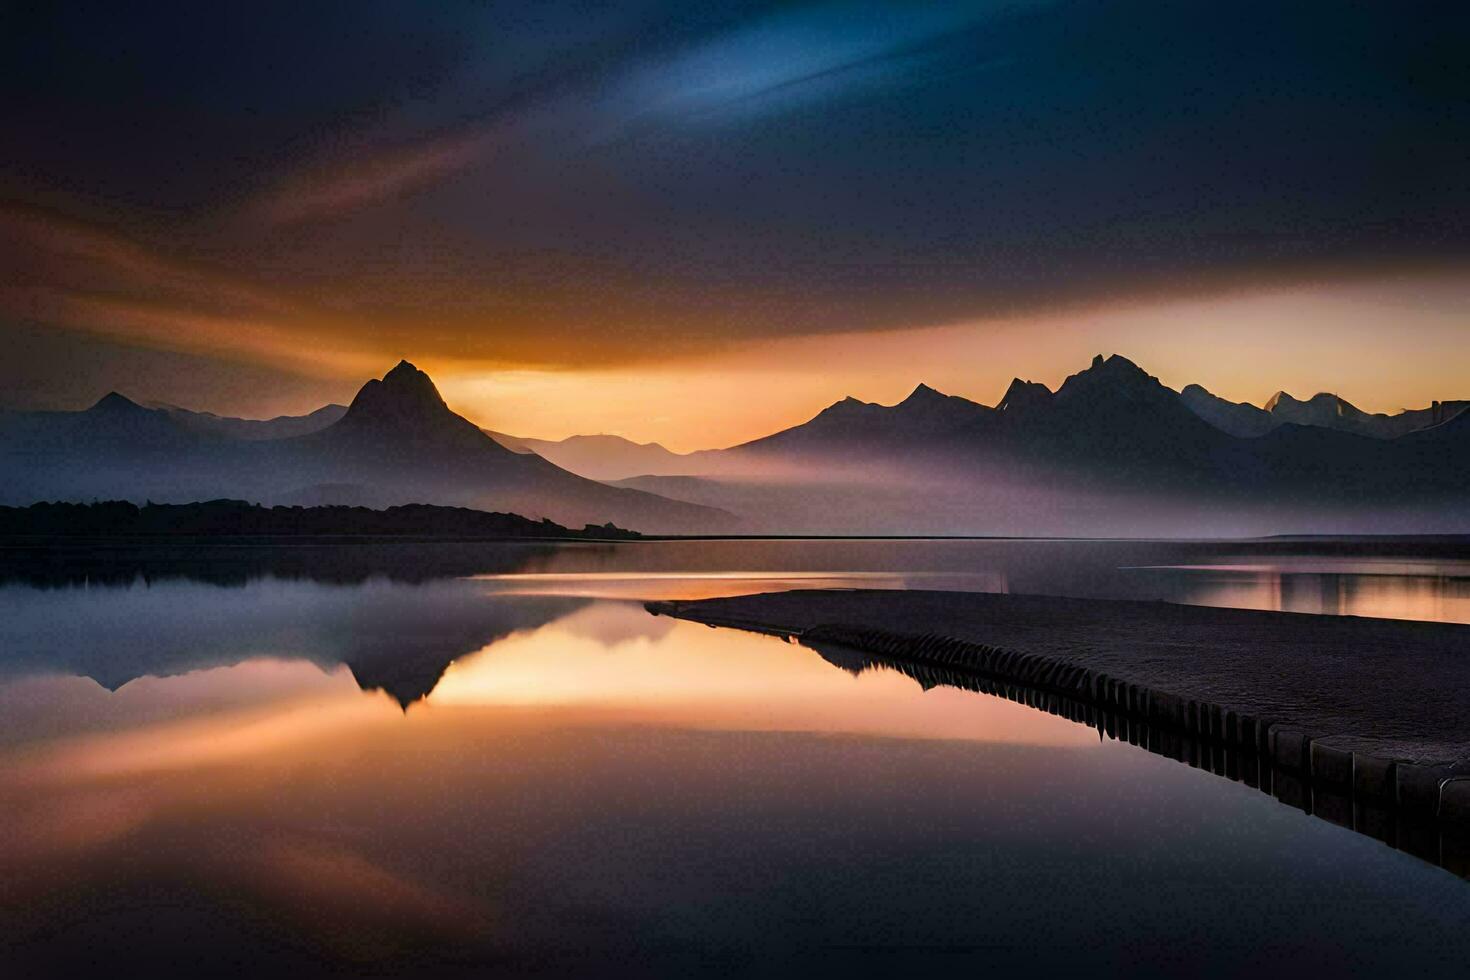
252	762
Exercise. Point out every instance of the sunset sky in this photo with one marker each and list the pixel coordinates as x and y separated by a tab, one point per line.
697	223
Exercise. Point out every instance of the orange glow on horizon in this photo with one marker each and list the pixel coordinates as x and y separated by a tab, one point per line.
1243	347
712	388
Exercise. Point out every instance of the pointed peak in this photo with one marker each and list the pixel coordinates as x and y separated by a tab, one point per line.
404	373
403	367
1114	371
924	393
847	404
1281	397
403	395
1022	394
847	408
1116	365
112	401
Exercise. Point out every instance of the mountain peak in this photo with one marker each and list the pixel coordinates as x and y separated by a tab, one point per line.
404	367
405	397
113	402
1022	395
1322	409
1117	365
1112	374
923	394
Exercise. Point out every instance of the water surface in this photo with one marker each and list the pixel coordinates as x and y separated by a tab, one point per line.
457	760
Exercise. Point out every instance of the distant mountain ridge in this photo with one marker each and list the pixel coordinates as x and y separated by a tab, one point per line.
280	427
1113	410
598	457
1112	451
1323	410
397	443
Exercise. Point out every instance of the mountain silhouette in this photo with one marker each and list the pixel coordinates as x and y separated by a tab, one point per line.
852	431
118	420
1239	419
1323	410
397	443
400	443
280	427
1113	413
1113	450
1024	397
598	457
405	405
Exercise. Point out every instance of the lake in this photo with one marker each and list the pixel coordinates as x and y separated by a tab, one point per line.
469	759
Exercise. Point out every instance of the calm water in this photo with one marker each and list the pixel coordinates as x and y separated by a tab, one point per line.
444	760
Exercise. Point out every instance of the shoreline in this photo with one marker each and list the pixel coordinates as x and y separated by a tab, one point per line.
1303	707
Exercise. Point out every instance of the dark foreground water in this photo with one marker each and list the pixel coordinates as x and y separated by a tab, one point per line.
489	760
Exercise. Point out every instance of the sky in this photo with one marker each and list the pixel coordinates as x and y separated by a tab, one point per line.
698	223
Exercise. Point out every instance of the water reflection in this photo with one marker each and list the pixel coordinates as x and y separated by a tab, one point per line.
592	786
392	637
578	788
589	660
1436	592
1416	578
614	661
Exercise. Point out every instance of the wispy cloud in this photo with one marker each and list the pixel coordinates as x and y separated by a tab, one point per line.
820	51
72	275
332	189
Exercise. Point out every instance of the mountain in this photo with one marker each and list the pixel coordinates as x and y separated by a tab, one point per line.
853	434
1237	418
1112	451
397	443
117	417
114	444
1117	414
599	457
280	427
924	415
1112	412
400	443
1323	410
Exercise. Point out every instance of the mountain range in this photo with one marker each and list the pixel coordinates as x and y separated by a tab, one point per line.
599	457
1111	451
397	443
1323	410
